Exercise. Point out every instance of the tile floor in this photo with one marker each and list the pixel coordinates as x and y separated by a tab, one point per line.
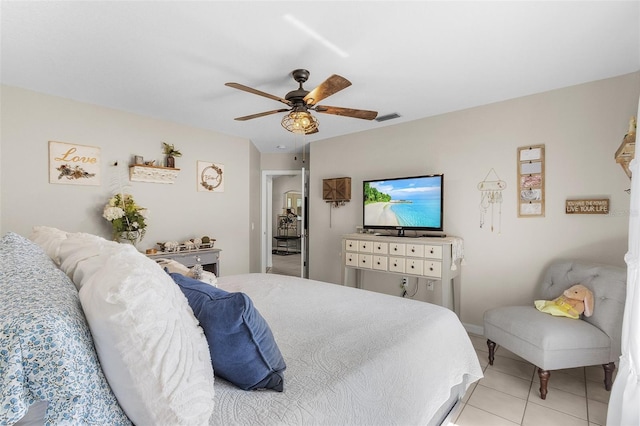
285	265
508	394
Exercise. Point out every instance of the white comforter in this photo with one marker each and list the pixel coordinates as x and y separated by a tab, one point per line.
353	357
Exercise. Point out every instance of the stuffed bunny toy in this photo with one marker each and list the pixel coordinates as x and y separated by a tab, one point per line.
574	301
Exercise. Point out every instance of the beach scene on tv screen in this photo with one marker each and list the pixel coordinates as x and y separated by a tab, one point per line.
413	202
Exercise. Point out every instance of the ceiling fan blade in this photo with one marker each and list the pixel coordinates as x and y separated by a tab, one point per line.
260	114
332	85
257	92
347	112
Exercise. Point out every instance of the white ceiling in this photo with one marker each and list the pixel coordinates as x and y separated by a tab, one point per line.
170	59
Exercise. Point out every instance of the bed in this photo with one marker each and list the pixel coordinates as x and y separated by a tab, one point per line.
352	356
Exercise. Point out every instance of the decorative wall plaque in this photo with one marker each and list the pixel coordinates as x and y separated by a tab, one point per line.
74	164
531	181
600	206
210	177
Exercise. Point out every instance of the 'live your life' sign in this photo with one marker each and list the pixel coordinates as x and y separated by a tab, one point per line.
587	206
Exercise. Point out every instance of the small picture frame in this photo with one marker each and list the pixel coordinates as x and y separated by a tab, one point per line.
138	160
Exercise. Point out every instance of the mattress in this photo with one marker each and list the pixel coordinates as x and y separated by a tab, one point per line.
354	357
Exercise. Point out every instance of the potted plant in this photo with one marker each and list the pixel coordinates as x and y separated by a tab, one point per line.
171	152
127	218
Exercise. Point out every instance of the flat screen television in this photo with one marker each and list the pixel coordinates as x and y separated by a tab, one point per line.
405	203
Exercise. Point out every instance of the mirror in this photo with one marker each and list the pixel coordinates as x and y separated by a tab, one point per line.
293	201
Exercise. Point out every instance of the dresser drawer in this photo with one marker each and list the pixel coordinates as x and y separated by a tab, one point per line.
365	246
415	250
396	264
351	259
433	252
351	245
380	263
397	249
432	269
380	248
414	266
364	260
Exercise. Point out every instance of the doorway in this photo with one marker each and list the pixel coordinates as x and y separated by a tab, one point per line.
283	212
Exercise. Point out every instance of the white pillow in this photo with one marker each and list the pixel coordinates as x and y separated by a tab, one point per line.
81	255
49	239
151	349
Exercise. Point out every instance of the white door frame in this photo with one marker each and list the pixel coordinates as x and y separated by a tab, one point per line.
266	189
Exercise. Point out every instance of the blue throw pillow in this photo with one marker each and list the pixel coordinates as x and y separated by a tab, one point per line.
243	349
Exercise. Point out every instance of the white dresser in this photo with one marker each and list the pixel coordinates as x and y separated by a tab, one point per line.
426	258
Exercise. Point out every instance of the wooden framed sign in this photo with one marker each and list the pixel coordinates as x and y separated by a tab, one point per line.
600	206
73	164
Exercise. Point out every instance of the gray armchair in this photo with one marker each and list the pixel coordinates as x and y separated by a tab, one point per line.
552	342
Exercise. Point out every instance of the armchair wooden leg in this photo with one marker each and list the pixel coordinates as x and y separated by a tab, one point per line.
544	380
492	348
608	374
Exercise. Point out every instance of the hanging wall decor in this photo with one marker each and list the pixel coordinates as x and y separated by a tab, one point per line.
74	164
531	181
491	198
210	177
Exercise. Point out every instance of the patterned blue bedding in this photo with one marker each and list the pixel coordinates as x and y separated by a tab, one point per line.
46	349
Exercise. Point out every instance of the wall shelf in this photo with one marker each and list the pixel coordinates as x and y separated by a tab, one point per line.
626	152
153	174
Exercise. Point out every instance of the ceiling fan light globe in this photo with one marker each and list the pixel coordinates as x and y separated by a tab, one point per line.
301	122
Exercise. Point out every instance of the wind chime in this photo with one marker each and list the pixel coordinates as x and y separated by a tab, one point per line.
490	195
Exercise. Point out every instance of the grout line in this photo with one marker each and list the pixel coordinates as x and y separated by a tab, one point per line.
586	394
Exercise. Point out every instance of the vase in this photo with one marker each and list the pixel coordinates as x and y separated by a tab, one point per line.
170	161
128	237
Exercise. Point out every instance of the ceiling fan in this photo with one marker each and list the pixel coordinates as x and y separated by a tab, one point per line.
301	101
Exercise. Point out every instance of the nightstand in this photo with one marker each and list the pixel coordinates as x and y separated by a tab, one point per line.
208	258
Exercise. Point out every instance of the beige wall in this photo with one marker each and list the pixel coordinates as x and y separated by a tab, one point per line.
178	211
581	128
284	161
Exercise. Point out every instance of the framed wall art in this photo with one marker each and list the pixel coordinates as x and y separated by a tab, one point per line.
210	177
74	164
531	181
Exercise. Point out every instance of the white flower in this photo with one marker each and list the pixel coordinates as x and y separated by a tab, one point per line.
144	213
112	213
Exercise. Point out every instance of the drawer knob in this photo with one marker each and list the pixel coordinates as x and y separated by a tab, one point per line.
413	250
412	266
431	268
431	251
378	263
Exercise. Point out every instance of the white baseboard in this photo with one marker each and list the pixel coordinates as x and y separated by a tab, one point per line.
474	329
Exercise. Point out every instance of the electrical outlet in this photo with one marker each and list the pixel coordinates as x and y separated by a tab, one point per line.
430	285
405	282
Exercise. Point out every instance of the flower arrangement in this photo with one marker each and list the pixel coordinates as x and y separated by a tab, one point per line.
127	218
